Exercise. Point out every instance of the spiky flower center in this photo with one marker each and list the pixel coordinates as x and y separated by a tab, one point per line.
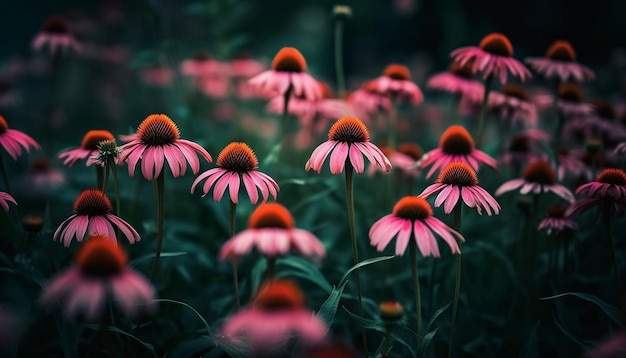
517	91
561	50
55	25
350	130
464	71
391	310
412	208
612	176
497	44
32	223
289	59
556	211
278	295
158	129
460	174
397	72
456	140
540	172
94	137
237	157
411	150
101	257
271	215
571	92
603	108
519	144
4	126
92	202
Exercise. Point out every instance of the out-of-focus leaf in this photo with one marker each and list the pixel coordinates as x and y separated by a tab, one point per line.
70	336
142	259
363	263
304	269
329	307
206	325
147	346
423	345
436	315
612	312
273	155
531	348
585	344
366	322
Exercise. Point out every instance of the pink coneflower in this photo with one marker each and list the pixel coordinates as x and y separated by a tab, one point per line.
13	140
459	80
271	229
41	178
55	34
514	103
492	57
396	83
157	75
608	192
288	72
557	222
276	317
202	64
560	61
88	147
348	137
235	163
523	148
5	198
319	111
100	275
367	103
405	158
244	66
458	181
571	165
570	101
157	140
538	177
412	219
92	215
456	145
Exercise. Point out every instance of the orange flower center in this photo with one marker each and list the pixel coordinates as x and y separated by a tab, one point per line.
391	310
101	257
516	91
370	87
412	208
289	59
519	144
540	172
411	150
456	140
571	92
556	211
55	25
271	215
94	137
237	157
603	108
460	174
158	129
612	176
201	55
497	44
40	165
561	50
277	295
350	130
465	71
397	72
3	125
92	202
32	223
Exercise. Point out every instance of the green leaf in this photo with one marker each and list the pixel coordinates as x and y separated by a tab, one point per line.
366	322
304	269
586	345
425	342
147	346
613	313
436	315
206	325
329	307
142	259
273	155
70	336
365	263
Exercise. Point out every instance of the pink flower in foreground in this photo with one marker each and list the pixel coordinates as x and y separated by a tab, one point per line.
455	145
99	276
348	137
459	80
412	218
157	140
396	83
557	222
560	61
55	34
271	229
87	149
92	215
235	163
13	140
456	182
538	177
288	72
276	317
492	57
5	198
608	192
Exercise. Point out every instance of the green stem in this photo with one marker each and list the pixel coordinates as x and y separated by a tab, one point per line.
483	112
350	203
99	176
160	214
416	285
231	226
341	83
284	133
609	232
457	285
387	345
105	181
5	177
117	188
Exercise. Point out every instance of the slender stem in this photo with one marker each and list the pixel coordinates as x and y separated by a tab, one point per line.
385	352
105	181
483	112
117	188
457	285
5	177
341	82
284	133
416	285
99	176
350	202
609	233
160	215
231	227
